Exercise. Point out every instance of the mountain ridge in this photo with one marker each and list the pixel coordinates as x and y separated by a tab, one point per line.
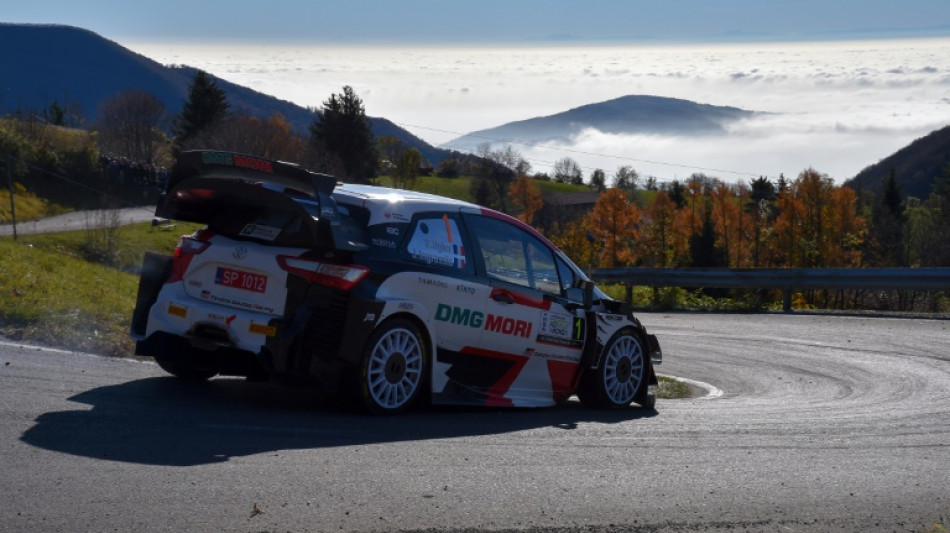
630	114
80	69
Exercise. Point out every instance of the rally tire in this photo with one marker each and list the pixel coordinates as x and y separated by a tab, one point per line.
621	376
391	374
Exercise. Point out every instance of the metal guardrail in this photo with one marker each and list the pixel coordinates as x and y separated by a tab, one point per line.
786	279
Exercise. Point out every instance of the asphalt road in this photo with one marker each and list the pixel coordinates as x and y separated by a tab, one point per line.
819	424
80	220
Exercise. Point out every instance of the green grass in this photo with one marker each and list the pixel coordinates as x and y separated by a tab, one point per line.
671	389
27	205
54	299
51	294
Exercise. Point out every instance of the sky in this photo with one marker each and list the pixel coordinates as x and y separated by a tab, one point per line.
841	83
487	21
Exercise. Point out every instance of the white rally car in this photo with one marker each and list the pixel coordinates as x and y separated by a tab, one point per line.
380	295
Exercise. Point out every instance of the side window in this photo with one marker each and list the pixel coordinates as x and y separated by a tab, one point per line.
436	241
513	255
566	275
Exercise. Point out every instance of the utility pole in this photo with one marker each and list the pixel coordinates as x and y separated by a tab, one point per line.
9	162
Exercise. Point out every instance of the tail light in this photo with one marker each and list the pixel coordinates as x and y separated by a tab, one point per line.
187	248
343	277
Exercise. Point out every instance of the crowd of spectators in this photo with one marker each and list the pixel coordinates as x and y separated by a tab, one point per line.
133	172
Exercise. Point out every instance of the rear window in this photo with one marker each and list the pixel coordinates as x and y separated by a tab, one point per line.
283	228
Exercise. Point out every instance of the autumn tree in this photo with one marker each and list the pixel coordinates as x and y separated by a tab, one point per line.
525	196
614	224
342	129
129	125
272	138
658	237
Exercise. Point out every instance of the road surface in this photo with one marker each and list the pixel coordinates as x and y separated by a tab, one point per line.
816	423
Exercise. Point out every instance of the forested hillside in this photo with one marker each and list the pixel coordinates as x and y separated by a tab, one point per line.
917	166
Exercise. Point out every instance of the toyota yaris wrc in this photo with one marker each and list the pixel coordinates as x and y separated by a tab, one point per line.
379	295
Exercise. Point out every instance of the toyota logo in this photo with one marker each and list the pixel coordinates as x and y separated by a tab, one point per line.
240	252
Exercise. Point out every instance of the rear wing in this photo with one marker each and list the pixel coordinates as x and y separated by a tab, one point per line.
202	184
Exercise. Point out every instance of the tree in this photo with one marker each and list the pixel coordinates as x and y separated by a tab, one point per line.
129	125
626	178
526	198
762	209
55	114
614	222
273	138
407	168
888	219
598	180
206	105
659	238
342	129
566	170
449	168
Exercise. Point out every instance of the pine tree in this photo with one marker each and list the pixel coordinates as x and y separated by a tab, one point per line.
343	129
207	104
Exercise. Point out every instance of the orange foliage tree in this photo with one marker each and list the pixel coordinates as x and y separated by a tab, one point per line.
614	224
526	198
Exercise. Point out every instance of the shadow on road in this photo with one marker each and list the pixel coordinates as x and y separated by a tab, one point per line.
165	421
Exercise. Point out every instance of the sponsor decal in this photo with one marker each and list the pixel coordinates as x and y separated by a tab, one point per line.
406	306
435	241
385	243
395	216
392	230
465	288
433	282
234	160
561	330
262	329
257	231
207	295
530	352
479	320
177	310
370	317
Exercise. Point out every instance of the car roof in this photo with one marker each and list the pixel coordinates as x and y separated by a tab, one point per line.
387	205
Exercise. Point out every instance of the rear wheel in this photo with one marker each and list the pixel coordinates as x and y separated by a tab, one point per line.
621	376
392	369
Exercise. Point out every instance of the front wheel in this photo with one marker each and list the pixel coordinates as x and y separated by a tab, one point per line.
620	378
392	368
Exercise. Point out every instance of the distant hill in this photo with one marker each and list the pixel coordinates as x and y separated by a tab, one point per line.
628	114
916	166
80	69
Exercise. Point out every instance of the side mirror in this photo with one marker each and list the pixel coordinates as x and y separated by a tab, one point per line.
581	297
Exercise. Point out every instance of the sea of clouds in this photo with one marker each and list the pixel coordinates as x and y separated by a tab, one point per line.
835	107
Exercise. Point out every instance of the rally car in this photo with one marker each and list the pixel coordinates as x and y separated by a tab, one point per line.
377	295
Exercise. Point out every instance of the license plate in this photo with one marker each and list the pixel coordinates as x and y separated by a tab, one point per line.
239	279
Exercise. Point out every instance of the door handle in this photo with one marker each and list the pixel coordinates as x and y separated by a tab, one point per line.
503	297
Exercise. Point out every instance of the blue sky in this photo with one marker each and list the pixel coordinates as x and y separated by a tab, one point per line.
491	21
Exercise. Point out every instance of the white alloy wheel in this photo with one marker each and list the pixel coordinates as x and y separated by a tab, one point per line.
393	368
623	370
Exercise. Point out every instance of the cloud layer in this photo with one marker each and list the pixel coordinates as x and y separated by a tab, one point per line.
835	107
